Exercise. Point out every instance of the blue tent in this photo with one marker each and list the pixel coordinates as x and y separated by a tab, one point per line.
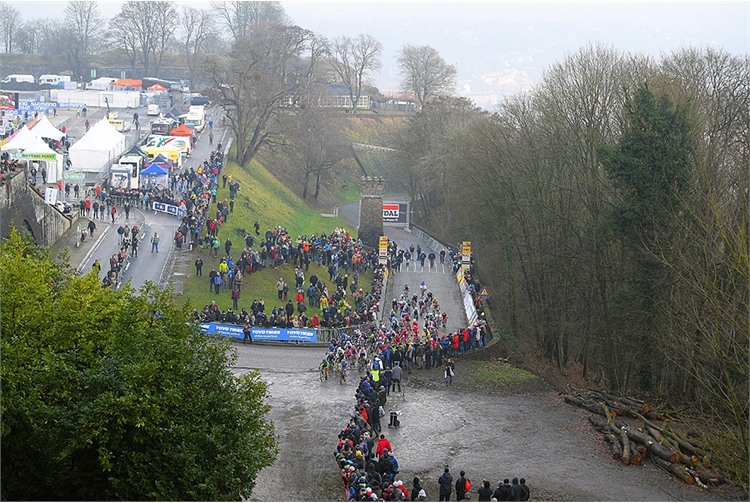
154	169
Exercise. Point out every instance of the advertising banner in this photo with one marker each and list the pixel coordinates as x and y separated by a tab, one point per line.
50	195
170	209
261	334
466	255
8	101
383	250
394	213
40	156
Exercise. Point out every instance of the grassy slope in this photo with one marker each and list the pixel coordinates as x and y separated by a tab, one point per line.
263	198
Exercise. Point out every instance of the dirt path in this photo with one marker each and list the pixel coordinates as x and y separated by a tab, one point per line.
490	434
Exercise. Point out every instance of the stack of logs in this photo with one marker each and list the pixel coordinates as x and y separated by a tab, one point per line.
630	444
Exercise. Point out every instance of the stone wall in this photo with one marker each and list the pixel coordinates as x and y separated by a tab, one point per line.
371	210
22	206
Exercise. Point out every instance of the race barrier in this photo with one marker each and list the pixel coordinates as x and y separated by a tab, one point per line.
261	333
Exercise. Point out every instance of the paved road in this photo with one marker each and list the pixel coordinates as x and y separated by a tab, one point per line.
147	266
439	279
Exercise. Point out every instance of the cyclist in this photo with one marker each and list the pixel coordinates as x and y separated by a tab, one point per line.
342	367
324	369
422	288
362	358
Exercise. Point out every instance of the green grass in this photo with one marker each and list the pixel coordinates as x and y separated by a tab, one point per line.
263	198
501	374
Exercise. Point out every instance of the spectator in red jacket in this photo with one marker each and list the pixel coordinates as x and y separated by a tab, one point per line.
383	444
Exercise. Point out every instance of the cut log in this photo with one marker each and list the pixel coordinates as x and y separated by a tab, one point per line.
709	475
635	455
627	401
653	446
684	443
675	468
589	405
599	424
681	471
614	446
660	438
624	441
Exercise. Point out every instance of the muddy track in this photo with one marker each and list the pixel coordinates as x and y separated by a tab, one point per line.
491	434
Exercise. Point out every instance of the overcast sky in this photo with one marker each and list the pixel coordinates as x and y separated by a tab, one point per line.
501	47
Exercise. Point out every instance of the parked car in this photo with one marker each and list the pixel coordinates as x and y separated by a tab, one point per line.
63	207
153	110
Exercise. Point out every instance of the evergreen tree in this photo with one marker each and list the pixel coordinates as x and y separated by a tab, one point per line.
116	396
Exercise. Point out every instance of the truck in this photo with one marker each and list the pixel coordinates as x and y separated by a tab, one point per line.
173	154
54	80
163	126
181	143
196	118
126	173
16	78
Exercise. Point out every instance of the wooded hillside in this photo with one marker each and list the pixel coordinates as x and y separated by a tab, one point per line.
608	212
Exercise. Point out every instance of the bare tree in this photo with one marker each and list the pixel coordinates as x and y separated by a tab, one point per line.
197	29
353	59
239	16
150	26
10	19
316	138
124	38
424	73
256	82
84	23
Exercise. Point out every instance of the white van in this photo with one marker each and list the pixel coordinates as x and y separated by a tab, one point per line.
18	78
53	80
153	109
196	118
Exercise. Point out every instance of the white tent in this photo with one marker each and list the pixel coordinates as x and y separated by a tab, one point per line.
45	129
97	148
20	140
38	150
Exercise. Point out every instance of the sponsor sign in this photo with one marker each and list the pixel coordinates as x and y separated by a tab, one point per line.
37	157
50	195
261	334
466	255
383	250
31	106
394	212
170	209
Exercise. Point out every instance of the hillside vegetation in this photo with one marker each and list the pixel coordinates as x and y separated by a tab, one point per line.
263	198
608	214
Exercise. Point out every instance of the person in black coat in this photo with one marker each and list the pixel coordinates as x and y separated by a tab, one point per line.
461	486
415	488
446	485
485	492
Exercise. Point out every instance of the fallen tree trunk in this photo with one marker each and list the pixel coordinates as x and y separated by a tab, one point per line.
677	469
622	434
614	446
685	444
653	446
660	438
589	405
627	401
599	424
635	455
